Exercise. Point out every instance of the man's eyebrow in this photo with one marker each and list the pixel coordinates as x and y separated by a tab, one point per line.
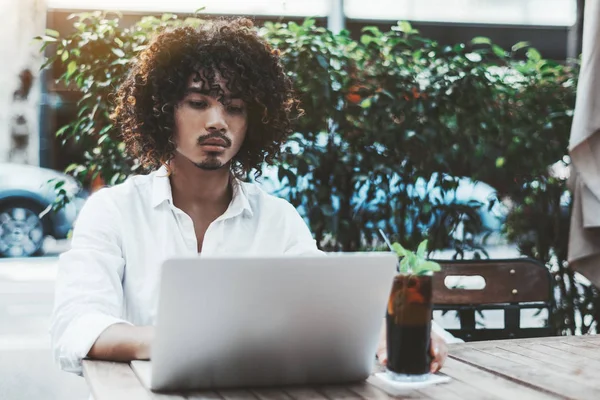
196	90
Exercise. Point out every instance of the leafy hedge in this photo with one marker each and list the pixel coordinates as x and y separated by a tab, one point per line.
392	122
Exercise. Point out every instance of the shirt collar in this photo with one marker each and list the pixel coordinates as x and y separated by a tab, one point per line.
161	192
239	202
161	187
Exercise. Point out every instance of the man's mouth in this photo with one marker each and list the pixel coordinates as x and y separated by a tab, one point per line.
214	142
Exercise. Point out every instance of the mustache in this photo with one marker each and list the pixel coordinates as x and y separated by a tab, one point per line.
215	135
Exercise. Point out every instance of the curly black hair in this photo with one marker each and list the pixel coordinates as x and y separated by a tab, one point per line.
146	100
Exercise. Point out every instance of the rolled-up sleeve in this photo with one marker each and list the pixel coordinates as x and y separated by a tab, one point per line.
89	291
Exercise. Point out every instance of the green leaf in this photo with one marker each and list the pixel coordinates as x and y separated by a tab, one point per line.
322	61
534	55
373	30
71	68
422	249
71	168
62	130
118	52
308	23
105	129
120	61
412	260
405	26
64	56
401	251
114	179
293	27
367	39
52	32
500	162
404	266
366	103
499	51
481	40
427	266
417	55
520	45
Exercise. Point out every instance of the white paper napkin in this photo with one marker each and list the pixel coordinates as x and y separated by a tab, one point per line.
384	382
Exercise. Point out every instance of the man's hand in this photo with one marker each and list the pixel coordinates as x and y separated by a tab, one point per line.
439	352
438	349
145	343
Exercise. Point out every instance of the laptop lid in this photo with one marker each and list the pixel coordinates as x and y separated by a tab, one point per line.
269	321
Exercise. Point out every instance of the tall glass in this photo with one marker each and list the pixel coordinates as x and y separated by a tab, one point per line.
408	323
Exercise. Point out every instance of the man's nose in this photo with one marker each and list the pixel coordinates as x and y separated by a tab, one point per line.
216	120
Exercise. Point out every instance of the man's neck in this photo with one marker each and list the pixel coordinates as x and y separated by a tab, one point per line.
194	187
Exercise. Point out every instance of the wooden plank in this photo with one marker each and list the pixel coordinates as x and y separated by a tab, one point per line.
455	390
568	350
271	394
591	347
338	392
437	393
202	395
507	281
539	378
490	383
592	340
368	391
554	356
557	370
236	394
113	381
542	340
165	396
574	349
300	393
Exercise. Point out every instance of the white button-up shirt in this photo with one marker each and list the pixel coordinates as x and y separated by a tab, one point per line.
124	233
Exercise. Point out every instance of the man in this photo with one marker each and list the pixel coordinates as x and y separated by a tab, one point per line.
204	106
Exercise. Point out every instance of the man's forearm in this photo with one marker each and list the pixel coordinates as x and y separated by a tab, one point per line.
122	342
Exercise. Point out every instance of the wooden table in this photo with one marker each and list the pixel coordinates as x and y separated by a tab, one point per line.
542	368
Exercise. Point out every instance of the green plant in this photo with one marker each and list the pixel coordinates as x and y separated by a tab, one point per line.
93	59
415	263
366	163
393	121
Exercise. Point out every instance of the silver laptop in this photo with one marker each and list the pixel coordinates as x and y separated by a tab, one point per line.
252	322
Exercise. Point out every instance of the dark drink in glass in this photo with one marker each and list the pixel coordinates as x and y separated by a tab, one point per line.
408	321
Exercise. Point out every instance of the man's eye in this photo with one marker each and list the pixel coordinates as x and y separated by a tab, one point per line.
235	109
198	104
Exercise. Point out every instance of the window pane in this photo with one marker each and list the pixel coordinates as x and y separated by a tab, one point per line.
525	12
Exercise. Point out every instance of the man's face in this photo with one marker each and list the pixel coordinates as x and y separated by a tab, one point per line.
210	125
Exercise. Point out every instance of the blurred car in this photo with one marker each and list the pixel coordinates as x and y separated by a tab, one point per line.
479	195
26	216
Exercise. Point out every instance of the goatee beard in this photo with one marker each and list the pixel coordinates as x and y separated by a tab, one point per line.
209	165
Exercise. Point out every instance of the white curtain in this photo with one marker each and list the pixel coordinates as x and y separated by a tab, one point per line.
584	148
